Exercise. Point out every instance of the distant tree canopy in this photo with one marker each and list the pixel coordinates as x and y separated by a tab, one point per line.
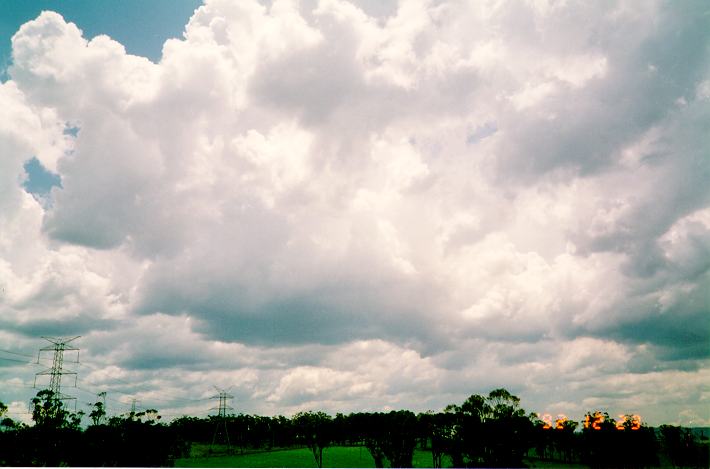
57	439
490	430
683	448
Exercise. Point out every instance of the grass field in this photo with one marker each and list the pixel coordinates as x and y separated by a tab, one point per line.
536	463
336	456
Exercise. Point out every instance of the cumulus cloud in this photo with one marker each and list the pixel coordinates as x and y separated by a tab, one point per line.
360	206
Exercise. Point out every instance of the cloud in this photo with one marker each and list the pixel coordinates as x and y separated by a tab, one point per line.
361	206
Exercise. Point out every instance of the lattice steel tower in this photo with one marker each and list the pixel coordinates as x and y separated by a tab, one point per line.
59	346
223	396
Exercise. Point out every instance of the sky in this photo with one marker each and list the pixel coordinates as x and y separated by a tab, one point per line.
358	206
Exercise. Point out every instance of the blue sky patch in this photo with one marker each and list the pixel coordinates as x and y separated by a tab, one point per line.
39	180
70	129
141	26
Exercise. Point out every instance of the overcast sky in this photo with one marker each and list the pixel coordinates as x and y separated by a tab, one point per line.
361	206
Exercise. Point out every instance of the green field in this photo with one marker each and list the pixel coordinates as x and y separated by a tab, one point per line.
336	456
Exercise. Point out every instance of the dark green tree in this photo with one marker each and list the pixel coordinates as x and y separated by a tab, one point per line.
452	430
55	438
507	430
472	417
48	412
565	439
375	436
598	442
314	430
98	413
5	422
401	438
437	428
683	448
503	405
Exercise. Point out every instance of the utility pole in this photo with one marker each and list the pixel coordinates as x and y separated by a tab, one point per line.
223	396
58	347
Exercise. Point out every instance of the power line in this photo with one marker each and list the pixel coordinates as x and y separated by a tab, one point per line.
170	399
84	389
20	385
17	353
107	397
18	361
56	371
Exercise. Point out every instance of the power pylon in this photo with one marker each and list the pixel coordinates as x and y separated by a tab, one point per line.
223	396
59	346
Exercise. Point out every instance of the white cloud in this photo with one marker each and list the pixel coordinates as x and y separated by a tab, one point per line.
365	209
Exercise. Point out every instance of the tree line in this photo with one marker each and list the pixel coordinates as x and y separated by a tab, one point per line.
483	431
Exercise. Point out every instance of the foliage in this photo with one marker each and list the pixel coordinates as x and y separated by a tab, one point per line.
486	431
314	430
48	411
490	430
389	437
57	439
98	413
400	438
5	422
683	449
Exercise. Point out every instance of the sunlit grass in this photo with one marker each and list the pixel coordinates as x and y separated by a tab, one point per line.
336	456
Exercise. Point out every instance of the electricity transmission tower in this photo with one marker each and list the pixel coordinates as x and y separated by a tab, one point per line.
58	347
221	424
